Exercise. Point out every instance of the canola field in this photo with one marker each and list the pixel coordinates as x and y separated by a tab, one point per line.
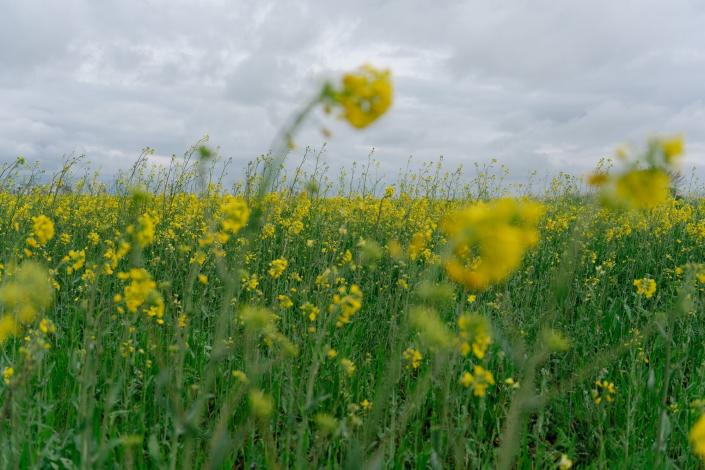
166	321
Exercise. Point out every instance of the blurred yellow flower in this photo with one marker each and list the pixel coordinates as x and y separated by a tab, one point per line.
8	328
697	437
235	213
643	189
475	334
43	229
672	148
348	366
27	294
365	95
7	374
487	240
261	404
565	463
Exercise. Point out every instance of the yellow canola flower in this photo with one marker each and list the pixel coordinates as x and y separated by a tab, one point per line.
480	379
645	287
348	366
235	213
144	234
413	358
240	376
142	293
598	179
27	294
365	95
261	404
565	462
347	302
697	437
487	240
475	334
643	189
7	374
277	267
604	391
8	328
672	148
43	229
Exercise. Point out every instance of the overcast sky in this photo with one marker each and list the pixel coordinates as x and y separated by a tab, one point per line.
541	85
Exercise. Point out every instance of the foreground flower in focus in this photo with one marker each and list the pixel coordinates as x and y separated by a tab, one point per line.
488	240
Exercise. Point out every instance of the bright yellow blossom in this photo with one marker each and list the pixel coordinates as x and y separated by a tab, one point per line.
277	267
43	229
480	379
413	358
645	287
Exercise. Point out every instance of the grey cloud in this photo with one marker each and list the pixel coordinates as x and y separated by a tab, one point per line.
544	85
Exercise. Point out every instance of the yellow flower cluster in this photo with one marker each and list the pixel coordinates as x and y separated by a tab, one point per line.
7	374
645	287
75	260
346	303
643	189
474	333
141	294
42	228
277	268
603	391
413	358
364	96
637	187
144	233
487	240
235	214
480	380
23	297
697	437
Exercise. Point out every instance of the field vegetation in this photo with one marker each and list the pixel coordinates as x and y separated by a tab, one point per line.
294	320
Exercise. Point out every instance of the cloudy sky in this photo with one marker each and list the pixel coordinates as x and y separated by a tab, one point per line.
541	85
